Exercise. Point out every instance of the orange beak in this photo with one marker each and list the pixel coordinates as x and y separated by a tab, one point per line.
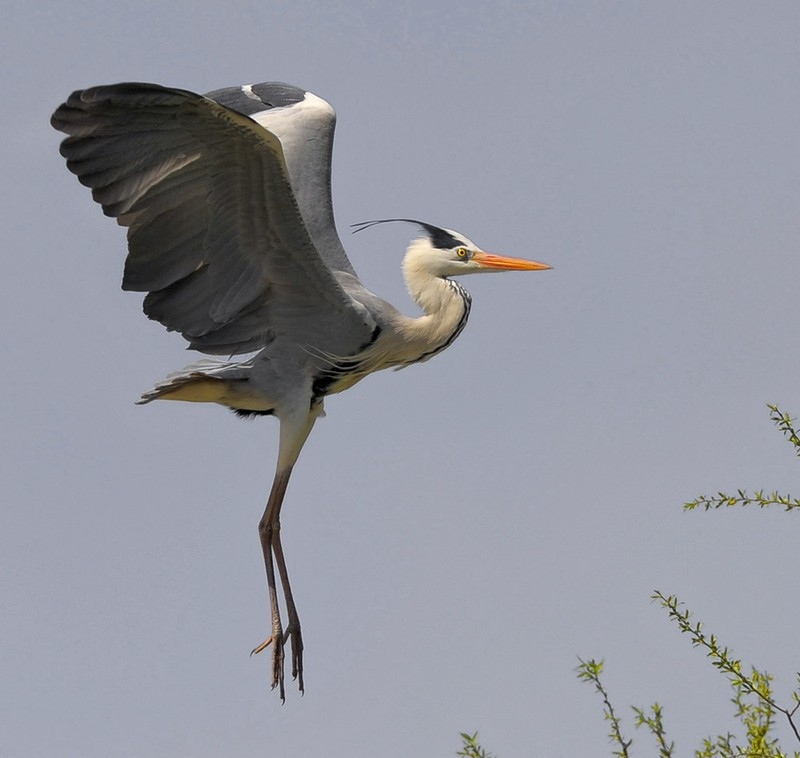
502	263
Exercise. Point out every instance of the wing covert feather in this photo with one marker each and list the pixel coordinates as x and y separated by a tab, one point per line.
214	231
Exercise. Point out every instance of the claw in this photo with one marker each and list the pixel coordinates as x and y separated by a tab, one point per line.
263	646
293	634
277	667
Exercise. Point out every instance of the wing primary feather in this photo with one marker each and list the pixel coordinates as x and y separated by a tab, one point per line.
215	233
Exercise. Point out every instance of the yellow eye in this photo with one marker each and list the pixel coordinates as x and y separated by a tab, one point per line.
462	252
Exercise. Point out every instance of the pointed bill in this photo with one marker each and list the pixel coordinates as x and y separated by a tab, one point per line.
504	263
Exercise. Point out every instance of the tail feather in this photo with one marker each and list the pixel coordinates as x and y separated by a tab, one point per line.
195	387
210	381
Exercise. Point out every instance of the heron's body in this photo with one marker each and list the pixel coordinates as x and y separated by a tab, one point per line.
231	233
396	341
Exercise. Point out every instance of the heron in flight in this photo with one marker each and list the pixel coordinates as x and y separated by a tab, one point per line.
227	202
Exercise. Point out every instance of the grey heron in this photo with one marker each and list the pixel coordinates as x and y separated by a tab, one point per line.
227	202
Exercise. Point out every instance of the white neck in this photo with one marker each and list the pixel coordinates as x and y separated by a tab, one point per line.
446	306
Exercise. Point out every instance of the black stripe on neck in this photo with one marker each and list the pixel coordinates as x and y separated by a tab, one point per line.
466	299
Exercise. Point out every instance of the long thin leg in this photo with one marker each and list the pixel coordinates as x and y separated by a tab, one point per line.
292	632
295	428
267	533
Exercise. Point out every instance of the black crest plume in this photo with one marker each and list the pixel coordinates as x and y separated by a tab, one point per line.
439	237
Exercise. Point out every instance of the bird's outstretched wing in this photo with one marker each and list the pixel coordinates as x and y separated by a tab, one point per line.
304	123
215	235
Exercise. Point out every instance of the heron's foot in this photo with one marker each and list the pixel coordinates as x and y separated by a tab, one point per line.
276	639
295	637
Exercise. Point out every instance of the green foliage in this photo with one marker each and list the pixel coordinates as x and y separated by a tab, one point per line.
755	705
759	498
471	748
785	423
763	499
753	697
654	722
589	671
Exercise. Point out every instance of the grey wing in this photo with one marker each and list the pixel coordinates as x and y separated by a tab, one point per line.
215	235
304	123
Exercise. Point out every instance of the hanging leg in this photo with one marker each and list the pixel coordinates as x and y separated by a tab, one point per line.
292	632
295	428
267	532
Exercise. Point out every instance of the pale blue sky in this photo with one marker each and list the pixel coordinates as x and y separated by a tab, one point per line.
458	532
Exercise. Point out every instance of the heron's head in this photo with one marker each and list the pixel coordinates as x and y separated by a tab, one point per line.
444	252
